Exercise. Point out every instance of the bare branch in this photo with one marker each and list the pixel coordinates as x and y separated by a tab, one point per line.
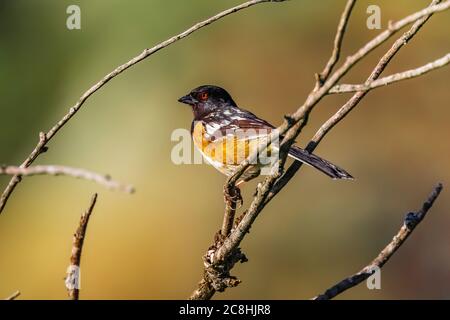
353	101
382	64
409	74
411	221
13	296
235	239
72	280
321	77
46	137
232	196
290	127
55	170
221	257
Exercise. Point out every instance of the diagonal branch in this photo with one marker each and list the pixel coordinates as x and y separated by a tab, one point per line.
46	137
411	221
72	280
55	170
409	74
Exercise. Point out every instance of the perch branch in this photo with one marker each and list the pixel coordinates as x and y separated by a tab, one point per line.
72	280
409	74
54	170
221	257
216	272
46	137
13	296
411	221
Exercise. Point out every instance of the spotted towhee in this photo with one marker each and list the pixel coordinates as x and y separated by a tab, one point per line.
226	134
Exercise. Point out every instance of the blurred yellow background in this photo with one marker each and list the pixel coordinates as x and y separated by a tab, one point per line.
149	245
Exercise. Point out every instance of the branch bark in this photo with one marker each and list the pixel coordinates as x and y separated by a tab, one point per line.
55	170
44	138
72	280
410	222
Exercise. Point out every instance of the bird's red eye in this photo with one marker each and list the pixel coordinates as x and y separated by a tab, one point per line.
203	96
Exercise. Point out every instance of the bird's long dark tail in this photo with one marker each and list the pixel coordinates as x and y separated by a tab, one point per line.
320	164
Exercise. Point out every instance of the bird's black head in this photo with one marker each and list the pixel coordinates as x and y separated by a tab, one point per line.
207	98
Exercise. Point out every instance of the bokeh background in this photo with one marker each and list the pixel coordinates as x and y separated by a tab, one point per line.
149	245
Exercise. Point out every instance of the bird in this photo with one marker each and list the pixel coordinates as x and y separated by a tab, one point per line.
225	134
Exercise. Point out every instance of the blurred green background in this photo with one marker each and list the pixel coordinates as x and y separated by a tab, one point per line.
149	245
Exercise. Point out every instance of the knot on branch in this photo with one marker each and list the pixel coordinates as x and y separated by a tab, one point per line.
217	273
411	220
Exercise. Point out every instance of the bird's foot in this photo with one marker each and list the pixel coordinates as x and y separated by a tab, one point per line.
232	195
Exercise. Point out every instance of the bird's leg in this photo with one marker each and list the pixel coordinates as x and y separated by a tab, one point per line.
232	194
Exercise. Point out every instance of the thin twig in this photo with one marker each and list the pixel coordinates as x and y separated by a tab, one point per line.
46	137
72	280
55	170
342	26
411	221
13	296
409	74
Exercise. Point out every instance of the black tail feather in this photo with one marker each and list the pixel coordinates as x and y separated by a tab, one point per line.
320	164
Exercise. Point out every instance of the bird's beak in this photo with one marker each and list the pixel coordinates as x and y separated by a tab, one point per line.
187	99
